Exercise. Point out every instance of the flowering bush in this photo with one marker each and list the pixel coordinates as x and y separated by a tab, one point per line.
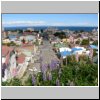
74	73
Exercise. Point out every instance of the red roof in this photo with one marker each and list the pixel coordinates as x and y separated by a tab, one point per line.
6	49
21	58
6	52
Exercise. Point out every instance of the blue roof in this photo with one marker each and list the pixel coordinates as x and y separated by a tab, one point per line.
12	37
94	46
76	49
65	53
30	37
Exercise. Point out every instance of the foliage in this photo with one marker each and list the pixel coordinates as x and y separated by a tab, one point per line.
13	82
85	42
82	73
36	43
81	31
61	35
10	44
94	52
5	83
28	82
71	59
78	42
95	42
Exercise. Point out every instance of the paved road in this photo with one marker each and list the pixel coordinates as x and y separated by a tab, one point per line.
47	55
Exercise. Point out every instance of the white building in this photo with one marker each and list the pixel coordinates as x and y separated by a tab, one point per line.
9	59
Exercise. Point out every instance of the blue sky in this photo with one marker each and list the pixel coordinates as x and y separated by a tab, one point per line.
10	20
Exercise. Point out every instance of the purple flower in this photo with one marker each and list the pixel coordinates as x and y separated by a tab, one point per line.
3	69
53	65
44	68
49	76
44	76
57	82
4	66
33	80
59	73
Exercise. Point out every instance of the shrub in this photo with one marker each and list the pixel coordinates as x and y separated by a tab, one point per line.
74	73
85	42
13	82
95	42
78	42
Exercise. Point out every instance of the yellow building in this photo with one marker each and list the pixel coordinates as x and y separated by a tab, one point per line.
6	41
64	40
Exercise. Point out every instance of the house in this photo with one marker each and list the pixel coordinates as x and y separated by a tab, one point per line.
6	41
21	65
78	50
18	42
30	29
4	34
40	40
28	55
27	32
71	38
65	51
30	38
12	37
9	60
94	47
27	38
64	40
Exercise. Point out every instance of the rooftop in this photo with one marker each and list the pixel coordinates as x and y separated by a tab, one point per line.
21	58
6	50
94	46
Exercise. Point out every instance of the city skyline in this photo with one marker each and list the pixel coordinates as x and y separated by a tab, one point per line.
14	20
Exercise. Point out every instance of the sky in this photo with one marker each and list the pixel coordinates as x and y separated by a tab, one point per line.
14	20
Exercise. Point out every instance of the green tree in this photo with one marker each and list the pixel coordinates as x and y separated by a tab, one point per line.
95	42
78	42
85	42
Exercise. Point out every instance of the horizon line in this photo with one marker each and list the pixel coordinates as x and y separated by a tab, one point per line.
48	26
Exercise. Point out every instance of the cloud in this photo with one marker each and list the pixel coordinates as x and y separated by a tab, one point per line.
59	24
43	23
82	24
23	23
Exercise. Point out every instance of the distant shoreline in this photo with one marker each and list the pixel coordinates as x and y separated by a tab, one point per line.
71	28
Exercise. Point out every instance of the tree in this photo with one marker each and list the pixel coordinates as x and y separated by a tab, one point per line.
85	42
23	41
77	42
61	35
41	30
95	42
81	31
